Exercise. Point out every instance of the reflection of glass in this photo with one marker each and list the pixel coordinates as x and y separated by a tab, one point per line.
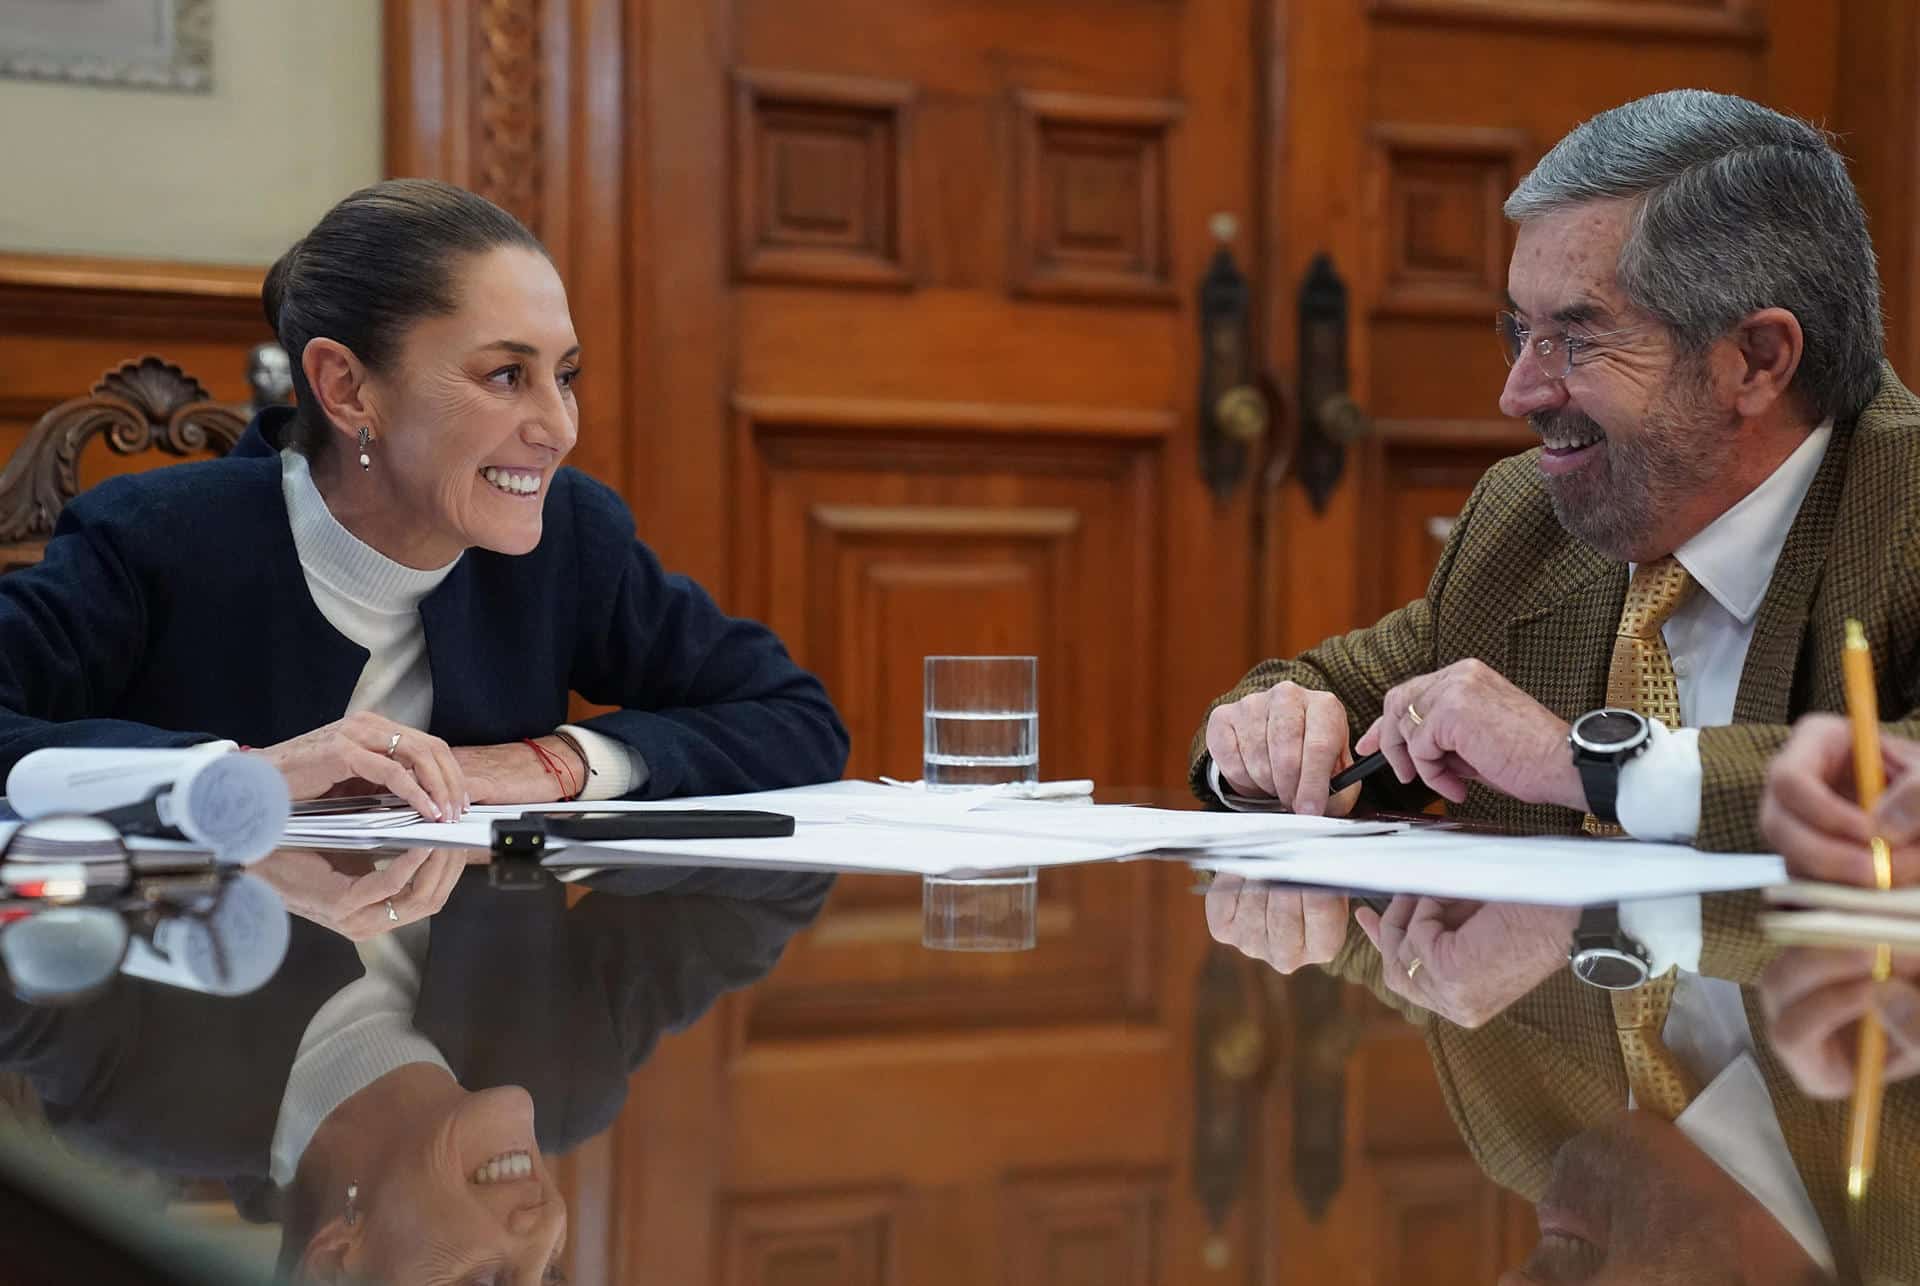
991	911
982	721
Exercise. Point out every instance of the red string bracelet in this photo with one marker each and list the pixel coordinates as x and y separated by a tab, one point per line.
553	767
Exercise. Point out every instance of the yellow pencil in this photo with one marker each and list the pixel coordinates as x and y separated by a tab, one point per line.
1869	775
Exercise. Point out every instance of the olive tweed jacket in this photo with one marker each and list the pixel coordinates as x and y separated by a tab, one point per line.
1515	590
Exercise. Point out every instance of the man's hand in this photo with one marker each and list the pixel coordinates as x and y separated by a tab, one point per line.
1810	812
1475	958
1467	723
1275	923
1814	998
1286	742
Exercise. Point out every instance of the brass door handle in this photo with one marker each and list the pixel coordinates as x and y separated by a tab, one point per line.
1242	414
1340	418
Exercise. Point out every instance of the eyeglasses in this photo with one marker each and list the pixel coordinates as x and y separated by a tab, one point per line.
1558	352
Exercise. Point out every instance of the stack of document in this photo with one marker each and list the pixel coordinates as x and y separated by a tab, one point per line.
866	826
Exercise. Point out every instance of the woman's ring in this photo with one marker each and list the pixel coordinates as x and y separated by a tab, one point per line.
1412	969
1413	716
393	744
391	913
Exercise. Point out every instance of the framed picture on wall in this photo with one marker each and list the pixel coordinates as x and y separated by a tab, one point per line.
139	44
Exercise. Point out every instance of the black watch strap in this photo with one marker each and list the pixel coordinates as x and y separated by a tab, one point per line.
1600	778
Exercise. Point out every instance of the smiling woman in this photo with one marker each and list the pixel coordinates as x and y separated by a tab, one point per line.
401	579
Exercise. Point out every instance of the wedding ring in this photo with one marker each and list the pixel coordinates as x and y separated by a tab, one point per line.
395	915
393	744
1413	968
1413	716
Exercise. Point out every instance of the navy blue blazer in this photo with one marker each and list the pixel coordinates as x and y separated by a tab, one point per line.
171	609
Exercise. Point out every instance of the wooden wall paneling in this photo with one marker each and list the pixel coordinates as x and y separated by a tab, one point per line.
65	321
1084	1230
823	175
1444	243
1316	104
808	1239
1090	203
1437	1221
1877	113
1677	20
678	306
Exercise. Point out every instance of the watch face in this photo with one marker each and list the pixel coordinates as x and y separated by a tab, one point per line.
1609	730
1610	969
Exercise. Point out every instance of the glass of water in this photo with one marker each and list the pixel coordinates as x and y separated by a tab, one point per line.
982	721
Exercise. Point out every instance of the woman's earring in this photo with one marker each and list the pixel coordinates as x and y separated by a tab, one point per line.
353	1195
366	436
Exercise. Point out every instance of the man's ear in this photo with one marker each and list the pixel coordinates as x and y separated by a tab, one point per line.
325	1258
1770	345
339	383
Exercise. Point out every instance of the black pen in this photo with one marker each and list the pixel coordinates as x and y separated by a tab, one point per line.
1360	771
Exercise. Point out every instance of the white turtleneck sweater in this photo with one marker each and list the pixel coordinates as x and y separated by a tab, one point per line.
375	602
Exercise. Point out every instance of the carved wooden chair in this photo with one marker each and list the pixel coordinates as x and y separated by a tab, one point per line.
145	405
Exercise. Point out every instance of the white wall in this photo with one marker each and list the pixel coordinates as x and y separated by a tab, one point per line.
292	125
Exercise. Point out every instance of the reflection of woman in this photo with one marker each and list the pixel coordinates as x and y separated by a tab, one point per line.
396	583
382	1102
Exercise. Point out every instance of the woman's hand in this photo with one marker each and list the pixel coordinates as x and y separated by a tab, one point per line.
513	773
342	891
354	753
1810	815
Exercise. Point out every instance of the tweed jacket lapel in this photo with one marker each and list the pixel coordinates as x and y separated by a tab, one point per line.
1772	671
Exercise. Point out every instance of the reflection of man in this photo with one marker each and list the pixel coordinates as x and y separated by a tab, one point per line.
1636	1200
1727	470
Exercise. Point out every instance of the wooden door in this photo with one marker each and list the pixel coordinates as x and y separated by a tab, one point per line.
890	309
936	263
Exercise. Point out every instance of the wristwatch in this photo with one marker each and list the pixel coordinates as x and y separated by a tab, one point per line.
1605	955
1602	741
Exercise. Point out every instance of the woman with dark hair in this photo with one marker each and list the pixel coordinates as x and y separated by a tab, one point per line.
395	582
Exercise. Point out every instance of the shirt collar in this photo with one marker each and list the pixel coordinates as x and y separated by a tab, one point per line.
1732	1120
1732	557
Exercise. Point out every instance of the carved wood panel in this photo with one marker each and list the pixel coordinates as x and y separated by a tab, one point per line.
1736	21
877	538
821	187
812	1240
1424	471
1446	242
1086	1230
1090	200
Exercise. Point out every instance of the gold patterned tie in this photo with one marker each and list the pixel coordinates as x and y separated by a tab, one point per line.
1660	1084
1641	678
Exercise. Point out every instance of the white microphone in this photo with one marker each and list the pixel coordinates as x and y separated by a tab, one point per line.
235	805
230	952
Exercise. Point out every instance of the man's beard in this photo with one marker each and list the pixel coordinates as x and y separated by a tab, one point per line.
1641	477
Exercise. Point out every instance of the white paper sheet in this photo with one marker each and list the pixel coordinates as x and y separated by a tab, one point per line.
1547	870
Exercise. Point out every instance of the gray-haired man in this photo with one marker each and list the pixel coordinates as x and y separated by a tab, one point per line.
1727	470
